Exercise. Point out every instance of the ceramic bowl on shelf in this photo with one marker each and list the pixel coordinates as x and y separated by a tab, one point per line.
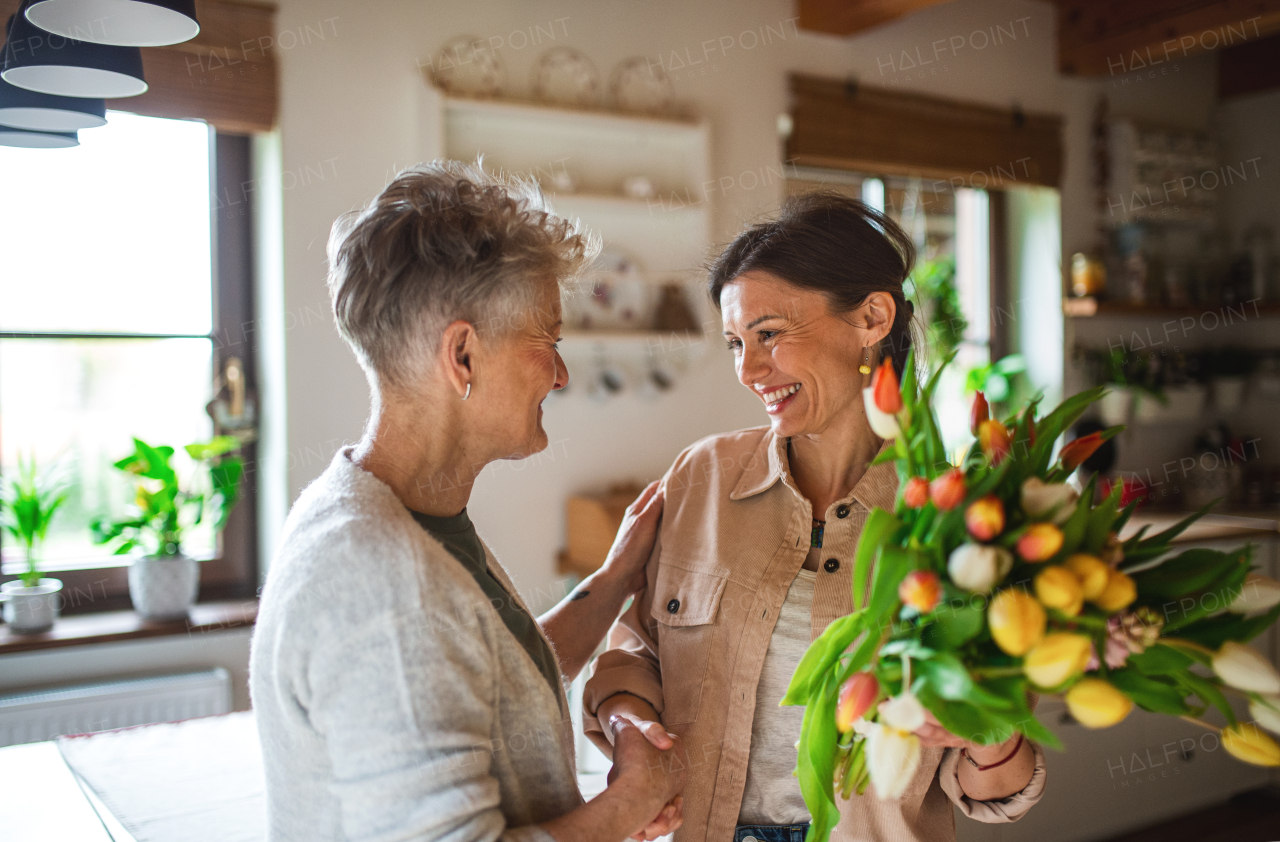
637	85
466	67
564	76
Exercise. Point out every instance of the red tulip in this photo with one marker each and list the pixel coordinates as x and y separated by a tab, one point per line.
979	413
994	440
916	493
1078	450
947	491
921	590
985	518
857	695
1040	543
885	388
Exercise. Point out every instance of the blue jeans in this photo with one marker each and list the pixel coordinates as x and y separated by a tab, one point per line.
770	833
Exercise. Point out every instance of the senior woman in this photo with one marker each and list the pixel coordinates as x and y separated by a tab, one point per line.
754	556
402	689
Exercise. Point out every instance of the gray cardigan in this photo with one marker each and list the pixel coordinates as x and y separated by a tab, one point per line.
392	702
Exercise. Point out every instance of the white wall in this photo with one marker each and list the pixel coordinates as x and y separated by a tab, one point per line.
348	113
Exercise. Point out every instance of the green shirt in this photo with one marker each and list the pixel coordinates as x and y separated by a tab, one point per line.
458	535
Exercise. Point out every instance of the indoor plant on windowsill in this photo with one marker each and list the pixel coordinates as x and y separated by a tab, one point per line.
163	582
28	503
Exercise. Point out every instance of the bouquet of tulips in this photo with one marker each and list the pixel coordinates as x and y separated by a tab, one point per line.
994	579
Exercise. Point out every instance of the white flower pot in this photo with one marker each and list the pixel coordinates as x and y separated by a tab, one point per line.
1184	404
1228	393
1115	406
163	587
31	610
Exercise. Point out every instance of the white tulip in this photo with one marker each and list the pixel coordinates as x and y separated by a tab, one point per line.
892	759
1258	595
1266	712
1039	499
903	712
882	423
1245	669
978	567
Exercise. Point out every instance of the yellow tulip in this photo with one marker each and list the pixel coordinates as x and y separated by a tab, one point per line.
1245	741
1091	572
1057	587
1060	656
1118	593
1096	704
1016	620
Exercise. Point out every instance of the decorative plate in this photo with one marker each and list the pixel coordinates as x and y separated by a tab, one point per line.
640	86
564	76
613	295
459	68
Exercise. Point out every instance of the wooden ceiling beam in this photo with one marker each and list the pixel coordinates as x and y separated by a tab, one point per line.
1106	38
845	17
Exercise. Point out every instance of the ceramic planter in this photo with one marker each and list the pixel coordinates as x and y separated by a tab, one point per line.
1228	393
31	610
163	587
1184	403
1116	405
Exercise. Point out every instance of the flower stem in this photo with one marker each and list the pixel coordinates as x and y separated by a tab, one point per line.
996	672
1201	723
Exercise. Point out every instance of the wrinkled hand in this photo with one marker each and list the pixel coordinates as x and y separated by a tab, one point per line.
640	765
636	536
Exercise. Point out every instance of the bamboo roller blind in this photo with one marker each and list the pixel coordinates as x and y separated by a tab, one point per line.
855	127
226	75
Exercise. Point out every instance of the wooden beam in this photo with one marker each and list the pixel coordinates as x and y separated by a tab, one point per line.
1106	38
873	130
1249	68
845	17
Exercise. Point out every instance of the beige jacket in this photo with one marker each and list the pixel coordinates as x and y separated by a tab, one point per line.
734	534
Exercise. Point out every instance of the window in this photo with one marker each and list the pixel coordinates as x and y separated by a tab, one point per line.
113	321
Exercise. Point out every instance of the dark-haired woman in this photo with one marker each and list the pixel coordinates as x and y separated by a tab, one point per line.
755	550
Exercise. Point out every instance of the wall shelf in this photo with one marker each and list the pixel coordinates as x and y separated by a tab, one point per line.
1089	307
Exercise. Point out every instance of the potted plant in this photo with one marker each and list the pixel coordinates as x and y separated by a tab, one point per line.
28	503
1229	369
163	581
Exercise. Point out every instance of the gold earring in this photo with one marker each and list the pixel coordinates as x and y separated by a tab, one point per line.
865	368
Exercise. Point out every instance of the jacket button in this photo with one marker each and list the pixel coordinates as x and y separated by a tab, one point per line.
842	512
673	606
832	565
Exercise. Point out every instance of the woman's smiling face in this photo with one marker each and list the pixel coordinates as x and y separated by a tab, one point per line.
800	359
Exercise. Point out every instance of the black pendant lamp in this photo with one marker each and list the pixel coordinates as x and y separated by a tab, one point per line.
26	139
124	23
24	109
51	64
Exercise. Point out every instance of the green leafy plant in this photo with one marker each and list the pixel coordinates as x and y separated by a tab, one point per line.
28	502
164	506
936	293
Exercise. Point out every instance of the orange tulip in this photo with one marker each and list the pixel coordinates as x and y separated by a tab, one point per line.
885	388
993	438
985	518
857	695
1040	543
979	413
916	492
921	590
947	491
1078	450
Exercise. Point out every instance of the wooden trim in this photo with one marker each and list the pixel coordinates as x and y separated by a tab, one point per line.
836	124
226	75
117	626
1249	68
1001	302
1105	38
845	17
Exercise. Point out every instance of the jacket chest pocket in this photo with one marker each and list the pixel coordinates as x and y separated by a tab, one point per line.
685	606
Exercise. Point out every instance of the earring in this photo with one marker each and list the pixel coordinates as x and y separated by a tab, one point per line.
865	368
468	394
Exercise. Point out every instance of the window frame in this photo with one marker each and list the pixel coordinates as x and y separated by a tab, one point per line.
101	584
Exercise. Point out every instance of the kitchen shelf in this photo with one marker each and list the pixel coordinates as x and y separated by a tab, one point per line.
1089	307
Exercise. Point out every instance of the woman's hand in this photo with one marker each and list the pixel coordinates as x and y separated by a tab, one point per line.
1000	782
636	536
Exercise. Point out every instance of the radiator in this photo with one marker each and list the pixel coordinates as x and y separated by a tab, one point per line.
34	715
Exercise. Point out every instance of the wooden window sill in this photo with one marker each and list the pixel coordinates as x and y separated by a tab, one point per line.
115	626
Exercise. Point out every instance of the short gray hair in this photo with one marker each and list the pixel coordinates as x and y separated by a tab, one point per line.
444	241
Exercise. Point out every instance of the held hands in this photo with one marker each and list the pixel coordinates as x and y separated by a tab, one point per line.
631	549
647	765
931	733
